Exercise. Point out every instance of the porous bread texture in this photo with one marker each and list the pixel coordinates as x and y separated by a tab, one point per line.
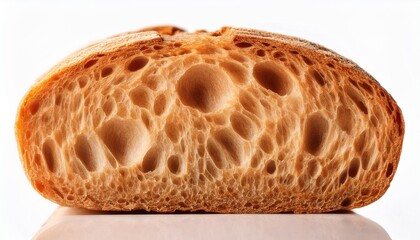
233	121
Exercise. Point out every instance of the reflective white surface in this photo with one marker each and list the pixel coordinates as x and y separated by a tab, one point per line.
70	223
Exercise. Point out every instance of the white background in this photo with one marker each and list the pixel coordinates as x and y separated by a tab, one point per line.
383	37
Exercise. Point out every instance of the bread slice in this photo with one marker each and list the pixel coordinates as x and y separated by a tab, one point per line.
236	120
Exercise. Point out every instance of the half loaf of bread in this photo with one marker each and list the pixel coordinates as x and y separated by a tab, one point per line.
235	120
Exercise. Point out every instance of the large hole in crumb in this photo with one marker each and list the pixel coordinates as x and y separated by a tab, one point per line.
88	152
106	71
260	52
204	87
346	202
354	167
278	54
272	77
90	63
270	167
315	133
174	164
51	155
126	139
137	63
152	159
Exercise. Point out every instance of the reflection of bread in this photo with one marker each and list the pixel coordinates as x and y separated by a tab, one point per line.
235	120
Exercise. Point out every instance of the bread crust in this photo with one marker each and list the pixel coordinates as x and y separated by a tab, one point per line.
341	177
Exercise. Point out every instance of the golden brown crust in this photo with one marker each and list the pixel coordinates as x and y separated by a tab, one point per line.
165	120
